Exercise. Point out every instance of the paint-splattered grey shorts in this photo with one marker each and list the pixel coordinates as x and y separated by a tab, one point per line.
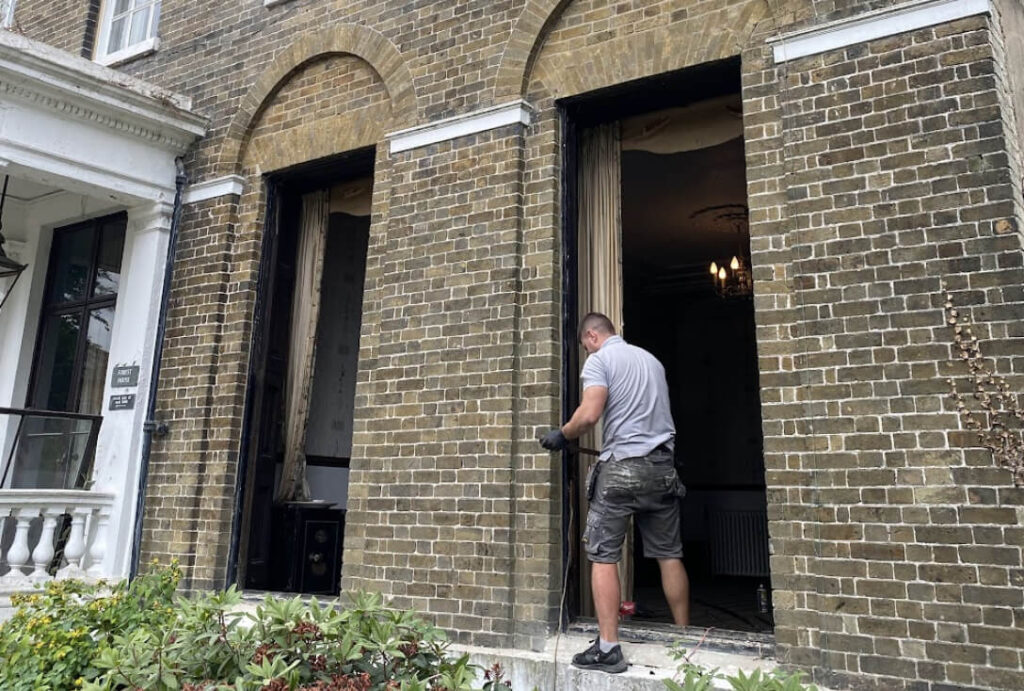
647	488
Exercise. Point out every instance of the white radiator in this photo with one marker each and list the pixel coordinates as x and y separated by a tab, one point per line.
739	542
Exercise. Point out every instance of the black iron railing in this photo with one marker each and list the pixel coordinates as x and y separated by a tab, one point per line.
47	449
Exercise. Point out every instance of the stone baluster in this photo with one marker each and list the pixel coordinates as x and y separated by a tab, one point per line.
18	554
75	549
42	555
98	546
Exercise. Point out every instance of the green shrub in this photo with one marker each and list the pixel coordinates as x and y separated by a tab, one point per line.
286	644
50	642
139	636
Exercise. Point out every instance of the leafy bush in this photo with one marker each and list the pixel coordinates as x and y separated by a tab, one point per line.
285	644
139	636
50	642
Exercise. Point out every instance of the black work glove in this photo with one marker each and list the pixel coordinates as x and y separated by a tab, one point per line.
554	440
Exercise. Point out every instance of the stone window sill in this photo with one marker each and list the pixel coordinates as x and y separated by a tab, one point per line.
147	47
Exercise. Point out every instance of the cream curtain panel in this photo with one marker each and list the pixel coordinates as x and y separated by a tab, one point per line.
600	223
309	268
599	286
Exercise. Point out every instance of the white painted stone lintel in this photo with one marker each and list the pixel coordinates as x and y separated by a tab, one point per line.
211	189
874	25
460	126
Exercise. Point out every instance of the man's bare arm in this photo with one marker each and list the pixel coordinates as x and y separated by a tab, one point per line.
588	413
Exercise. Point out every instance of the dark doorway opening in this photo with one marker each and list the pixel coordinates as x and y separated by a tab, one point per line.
683	205
290	542
681	212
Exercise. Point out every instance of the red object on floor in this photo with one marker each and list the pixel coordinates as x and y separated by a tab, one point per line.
627	609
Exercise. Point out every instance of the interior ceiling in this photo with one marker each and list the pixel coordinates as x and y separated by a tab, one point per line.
684	208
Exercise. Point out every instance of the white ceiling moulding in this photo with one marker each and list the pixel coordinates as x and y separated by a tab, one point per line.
52	79
73	125
211	189
871	26
461	126
152	179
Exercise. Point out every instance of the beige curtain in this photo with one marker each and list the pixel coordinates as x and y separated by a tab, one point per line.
600	223
599	287
309	266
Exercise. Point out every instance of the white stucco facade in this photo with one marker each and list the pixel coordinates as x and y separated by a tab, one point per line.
80	141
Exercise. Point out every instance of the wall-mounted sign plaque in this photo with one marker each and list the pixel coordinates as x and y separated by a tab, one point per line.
125	376
122	401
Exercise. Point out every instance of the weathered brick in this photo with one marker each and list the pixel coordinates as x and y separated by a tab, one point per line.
876	174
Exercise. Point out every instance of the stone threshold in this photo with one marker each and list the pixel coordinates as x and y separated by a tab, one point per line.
721	640
649	664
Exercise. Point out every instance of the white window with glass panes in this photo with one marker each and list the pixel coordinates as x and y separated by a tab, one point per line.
128	28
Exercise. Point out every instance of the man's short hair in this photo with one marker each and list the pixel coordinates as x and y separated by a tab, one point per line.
595	321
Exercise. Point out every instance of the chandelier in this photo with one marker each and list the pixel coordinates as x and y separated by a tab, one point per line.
734	281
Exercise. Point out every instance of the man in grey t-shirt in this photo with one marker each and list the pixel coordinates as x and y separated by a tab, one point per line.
635	476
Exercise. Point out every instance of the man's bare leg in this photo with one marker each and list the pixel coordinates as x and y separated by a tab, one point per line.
676	585
604	580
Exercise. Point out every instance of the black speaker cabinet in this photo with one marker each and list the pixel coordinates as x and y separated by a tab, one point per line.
308	548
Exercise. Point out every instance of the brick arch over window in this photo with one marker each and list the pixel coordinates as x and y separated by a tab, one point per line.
345	39
716	34
521	50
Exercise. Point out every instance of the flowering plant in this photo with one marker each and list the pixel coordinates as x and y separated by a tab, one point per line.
50	642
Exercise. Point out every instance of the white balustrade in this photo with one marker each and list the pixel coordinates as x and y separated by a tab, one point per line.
74	550
36	523
42	555
98	546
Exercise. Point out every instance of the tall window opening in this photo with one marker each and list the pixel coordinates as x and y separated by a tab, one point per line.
658	195
302	382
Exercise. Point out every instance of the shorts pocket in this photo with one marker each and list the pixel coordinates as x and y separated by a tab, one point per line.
591	482
679	489
672	486
619	482
592	533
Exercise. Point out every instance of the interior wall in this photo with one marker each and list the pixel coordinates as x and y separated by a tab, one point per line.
332	396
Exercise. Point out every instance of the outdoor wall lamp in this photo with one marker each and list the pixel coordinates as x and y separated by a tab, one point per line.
10	270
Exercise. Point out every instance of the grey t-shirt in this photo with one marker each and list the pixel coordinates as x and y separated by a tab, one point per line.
637	415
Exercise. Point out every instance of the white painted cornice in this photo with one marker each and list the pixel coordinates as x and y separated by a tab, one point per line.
461	126
211	189
871	26
155	216
34	72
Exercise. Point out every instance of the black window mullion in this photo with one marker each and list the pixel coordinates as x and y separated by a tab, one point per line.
83	314
71	404
97	242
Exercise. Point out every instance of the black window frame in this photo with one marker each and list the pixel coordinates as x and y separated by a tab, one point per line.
82	307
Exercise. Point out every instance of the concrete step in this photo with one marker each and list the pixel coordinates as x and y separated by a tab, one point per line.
650	663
